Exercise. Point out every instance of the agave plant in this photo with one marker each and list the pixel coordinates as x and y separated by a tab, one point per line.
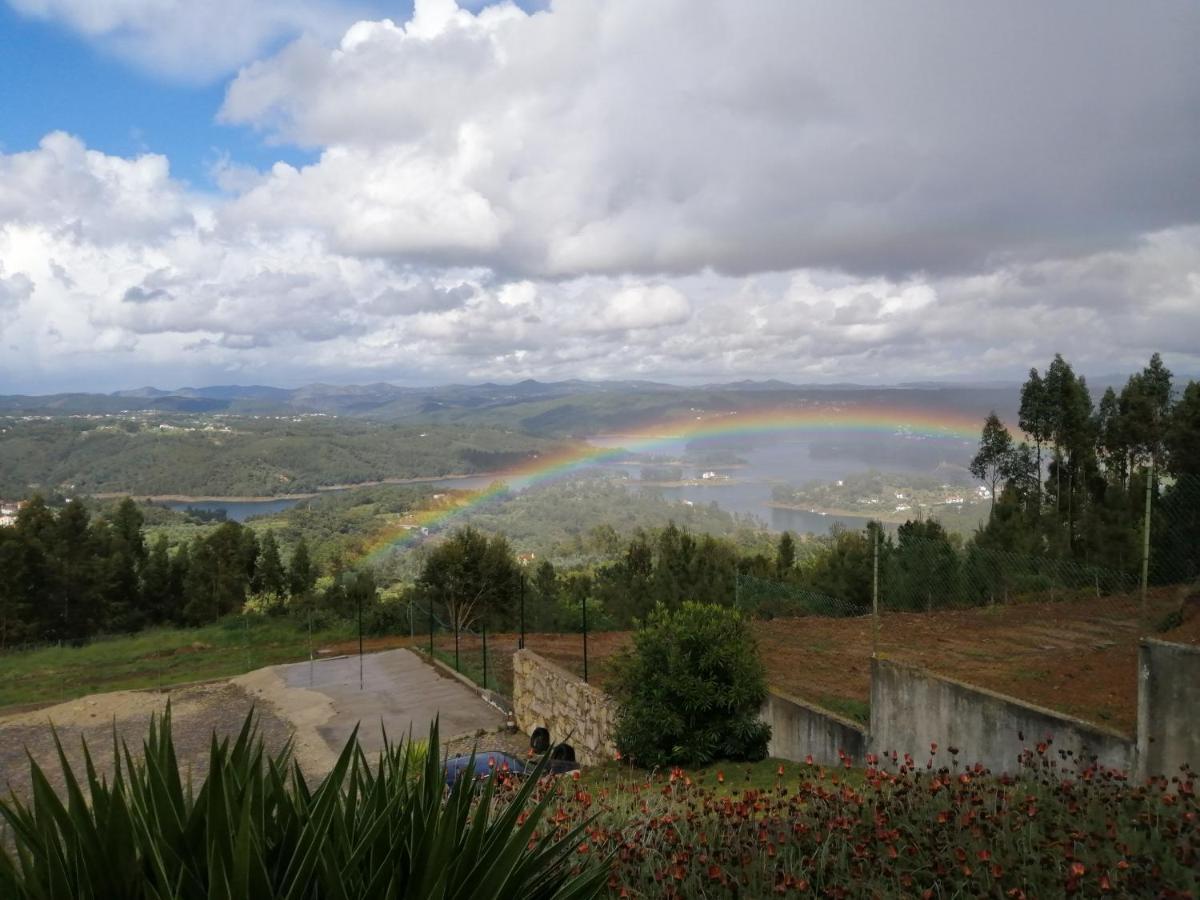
255	829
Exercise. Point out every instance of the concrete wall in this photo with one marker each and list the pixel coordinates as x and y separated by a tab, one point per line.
1168	708
800	730
911	708
545	694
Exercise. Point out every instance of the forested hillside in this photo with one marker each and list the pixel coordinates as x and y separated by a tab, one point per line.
239	456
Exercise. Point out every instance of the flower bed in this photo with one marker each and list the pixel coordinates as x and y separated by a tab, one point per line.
901	828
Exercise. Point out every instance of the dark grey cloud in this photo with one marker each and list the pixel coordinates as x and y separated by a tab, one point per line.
940	136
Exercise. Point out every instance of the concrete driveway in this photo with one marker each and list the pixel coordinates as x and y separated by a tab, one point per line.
399	692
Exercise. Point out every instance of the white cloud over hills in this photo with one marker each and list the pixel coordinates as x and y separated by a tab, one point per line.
666	189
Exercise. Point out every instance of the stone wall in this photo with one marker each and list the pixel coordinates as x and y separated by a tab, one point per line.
912	708
800	730
547	695
1168	707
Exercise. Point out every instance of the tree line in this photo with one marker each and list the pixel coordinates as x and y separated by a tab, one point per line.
1068	512
1077	487
66	575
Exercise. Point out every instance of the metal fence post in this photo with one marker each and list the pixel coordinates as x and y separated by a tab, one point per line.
585	639
875	595
431	626
1146	539
483	629
456	666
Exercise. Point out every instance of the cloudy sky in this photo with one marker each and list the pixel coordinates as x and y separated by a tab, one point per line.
298	190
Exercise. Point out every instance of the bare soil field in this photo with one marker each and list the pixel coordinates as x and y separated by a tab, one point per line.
1078	656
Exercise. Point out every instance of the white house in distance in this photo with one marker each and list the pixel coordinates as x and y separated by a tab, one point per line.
8	511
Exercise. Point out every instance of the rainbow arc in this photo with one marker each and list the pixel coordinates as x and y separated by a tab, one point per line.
544	468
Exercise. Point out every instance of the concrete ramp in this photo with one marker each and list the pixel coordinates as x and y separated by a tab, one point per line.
399	691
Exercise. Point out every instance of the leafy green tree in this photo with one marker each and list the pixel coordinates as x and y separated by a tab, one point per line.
923	567
75	580
1183	434
200	584
543	601
1036	419
269	576
181	561
472	577
991	460
690	689
785	555
18	565
844	570
302	573
158	598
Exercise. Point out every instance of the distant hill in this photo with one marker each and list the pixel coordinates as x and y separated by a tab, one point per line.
562	408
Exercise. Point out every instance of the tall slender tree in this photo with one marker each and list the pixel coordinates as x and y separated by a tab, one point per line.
1036	419
990	462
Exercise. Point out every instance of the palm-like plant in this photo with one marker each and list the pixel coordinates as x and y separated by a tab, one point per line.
254	829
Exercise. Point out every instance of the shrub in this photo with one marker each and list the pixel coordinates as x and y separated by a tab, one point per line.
690	689
254	828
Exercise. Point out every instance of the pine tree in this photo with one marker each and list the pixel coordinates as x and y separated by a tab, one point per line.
270	577
156	583
302	574
785	555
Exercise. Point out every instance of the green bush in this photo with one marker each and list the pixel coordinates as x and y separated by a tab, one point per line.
690	689
255	828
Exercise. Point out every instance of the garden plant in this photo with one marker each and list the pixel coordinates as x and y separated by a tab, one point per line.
255	828
690	689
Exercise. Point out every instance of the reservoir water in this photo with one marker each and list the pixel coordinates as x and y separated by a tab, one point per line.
745	489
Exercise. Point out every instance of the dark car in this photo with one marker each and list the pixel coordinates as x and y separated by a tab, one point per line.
484	762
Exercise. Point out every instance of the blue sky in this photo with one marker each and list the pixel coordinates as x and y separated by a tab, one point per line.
52	79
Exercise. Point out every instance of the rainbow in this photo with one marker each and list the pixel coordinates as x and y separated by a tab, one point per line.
543	468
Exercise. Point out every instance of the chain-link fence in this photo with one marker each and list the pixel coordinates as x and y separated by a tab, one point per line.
1058	631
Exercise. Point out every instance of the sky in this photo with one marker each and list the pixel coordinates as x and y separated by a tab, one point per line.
813	190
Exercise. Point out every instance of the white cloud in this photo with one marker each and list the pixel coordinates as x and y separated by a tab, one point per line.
195	40
621	189
66	187
624	137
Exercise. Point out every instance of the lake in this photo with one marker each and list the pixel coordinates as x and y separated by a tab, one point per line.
796	459
769	460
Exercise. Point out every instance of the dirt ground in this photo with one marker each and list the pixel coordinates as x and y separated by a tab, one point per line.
196	711
1078	657
313	719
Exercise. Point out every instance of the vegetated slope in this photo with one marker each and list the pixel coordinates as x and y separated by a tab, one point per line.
235	456
565	408
575	521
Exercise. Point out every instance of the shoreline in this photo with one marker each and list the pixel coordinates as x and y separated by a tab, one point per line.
691	482
319	492
888	518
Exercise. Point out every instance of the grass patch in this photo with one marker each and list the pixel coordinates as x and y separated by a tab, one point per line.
470	665
722	777
854	710
155	658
